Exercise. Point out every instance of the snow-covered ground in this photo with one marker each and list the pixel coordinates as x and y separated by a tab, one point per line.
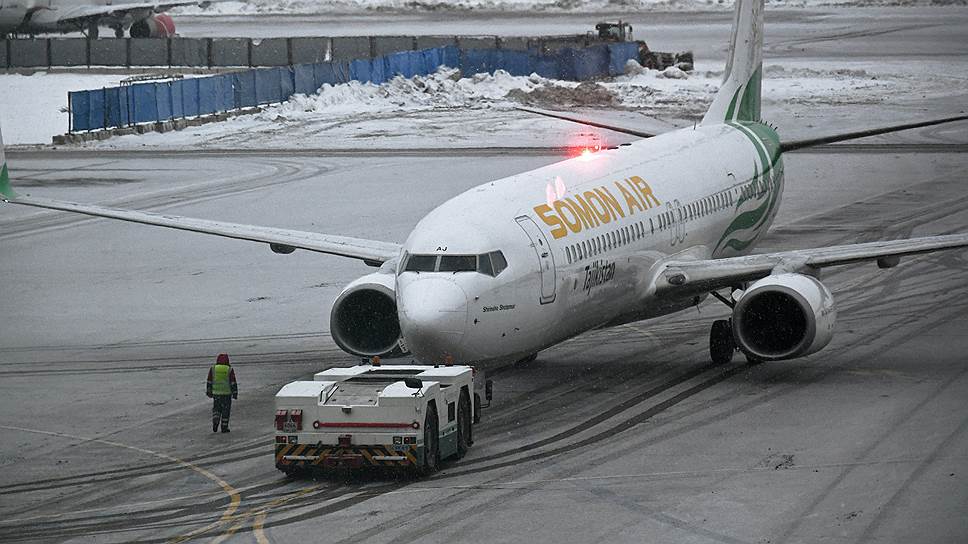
453	109
446	109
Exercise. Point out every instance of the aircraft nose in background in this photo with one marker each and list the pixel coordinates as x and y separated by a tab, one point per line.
433	315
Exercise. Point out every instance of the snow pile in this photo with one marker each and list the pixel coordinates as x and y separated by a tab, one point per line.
442	89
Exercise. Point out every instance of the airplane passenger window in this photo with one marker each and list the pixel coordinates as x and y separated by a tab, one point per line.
498	262
484	265
421	263
458	263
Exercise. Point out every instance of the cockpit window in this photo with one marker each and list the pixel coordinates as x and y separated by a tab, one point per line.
484	265
489	264
498	262
421	263
458	263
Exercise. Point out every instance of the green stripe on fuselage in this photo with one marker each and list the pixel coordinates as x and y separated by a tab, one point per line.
768	183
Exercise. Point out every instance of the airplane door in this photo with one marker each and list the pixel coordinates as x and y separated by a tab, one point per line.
546	259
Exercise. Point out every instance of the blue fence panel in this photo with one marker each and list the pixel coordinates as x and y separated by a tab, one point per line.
430	60
544	65
80	104
380	71
476	61
450	56
190	106
178	98
112	107
244	84
516	63
144	105
226	93
332	73
590	62
163	99
619	54
404	63
566	63
287	82
96	112
124	106
207	96
361	70
266	86
303	79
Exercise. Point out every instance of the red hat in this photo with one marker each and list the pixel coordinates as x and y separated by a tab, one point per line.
222	359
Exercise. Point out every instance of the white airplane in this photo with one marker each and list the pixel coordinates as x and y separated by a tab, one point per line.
140	19
634	232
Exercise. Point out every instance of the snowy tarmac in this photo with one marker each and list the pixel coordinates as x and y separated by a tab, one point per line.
622	435
618	435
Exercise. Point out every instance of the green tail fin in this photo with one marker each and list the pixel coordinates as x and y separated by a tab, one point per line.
739	97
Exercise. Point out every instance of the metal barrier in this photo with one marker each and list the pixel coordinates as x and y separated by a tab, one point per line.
165	101
245	52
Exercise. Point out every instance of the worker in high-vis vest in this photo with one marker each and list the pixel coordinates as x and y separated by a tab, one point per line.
222	387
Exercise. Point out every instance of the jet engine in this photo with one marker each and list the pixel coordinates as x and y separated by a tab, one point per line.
158	25
784	316
364	318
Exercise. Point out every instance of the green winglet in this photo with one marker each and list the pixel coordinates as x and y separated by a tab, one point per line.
5	189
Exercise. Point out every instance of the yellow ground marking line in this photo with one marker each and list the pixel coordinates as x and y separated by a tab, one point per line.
234	497
258	526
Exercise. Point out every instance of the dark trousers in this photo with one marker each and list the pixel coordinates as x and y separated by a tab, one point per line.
221	410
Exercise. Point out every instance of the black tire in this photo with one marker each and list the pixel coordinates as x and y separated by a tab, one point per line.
477	408
431	460
465	433
721	343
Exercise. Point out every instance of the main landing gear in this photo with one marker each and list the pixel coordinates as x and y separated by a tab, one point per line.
722	343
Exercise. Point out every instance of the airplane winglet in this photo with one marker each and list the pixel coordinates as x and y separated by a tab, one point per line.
6	191
5	188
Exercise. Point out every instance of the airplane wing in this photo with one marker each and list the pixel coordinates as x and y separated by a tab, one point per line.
786	145
62	13
586	121
371	252
703	276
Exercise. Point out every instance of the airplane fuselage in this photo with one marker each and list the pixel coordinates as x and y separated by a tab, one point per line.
583	240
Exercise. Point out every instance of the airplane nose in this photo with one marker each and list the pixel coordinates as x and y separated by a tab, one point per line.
433	318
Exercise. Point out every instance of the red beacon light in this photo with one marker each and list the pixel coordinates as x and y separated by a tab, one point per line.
584	144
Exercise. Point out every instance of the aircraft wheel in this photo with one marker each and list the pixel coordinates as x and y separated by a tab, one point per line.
721	343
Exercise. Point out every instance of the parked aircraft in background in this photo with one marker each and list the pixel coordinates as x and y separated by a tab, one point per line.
628	233
139	19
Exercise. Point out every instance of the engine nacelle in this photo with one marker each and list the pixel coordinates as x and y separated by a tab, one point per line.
158	25
364	318
784	316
